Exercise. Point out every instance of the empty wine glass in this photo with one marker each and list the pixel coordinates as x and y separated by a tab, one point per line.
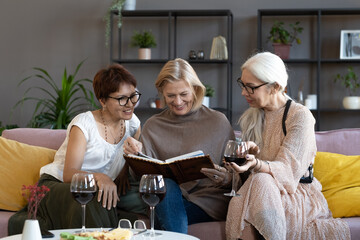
83	189
152	190
235	151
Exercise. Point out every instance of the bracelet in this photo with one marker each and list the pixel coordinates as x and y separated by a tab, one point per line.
250	169
258	170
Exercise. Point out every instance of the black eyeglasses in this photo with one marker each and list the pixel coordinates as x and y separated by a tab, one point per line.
134	98
249	89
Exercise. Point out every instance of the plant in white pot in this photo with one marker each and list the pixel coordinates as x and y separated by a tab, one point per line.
144	41
352	83
282	38
33	194
208	94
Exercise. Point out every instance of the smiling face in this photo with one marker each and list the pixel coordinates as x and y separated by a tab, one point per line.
261	98
116	111
178	97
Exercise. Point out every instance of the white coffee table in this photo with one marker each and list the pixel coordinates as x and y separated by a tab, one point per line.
165	235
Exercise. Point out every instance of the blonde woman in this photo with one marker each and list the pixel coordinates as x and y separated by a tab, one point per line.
185	126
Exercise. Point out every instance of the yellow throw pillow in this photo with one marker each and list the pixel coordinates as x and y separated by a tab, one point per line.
20	165
340	178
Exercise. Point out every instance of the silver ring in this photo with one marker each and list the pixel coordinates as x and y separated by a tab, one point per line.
216	177
100	190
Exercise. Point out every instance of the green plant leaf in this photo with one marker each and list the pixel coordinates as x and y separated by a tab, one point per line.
60	105
143	40
279	34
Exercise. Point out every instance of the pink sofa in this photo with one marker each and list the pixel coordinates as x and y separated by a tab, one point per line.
327	141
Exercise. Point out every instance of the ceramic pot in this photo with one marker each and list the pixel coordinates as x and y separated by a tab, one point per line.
282	50
351	102
31	230
206	101
145	53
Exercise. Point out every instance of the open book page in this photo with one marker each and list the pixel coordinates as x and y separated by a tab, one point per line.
188	155
184	156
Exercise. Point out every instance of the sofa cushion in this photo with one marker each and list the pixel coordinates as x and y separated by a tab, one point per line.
20	165
340	178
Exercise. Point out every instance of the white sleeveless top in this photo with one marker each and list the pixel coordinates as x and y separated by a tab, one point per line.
100	156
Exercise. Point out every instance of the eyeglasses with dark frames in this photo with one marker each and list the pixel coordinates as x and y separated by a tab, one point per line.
134	98
249	89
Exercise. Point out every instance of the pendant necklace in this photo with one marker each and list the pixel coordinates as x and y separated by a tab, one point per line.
105	126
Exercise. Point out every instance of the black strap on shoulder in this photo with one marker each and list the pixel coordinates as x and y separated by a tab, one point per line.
285	115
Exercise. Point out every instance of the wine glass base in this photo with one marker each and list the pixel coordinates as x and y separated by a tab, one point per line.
152	234
232	194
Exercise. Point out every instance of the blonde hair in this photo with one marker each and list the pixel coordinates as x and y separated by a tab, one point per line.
180	70
268	68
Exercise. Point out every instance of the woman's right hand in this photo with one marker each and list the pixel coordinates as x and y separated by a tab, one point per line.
132	146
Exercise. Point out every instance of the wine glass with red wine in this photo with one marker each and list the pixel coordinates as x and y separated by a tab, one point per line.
83	189
152	190
235	151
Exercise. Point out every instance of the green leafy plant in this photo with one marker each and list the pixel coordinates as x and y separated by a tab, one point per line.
117	5
143	40
279	34
349	80
209	91
60	105
8	126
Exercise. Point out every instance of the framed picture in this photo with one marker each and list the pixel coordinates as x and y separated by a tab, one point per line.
350	44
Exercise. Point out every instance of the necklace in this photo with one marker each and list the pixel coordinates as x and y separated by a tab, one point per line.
105	126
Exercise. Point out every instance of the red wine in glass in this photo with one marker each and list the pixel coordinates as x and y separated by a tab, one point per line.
83	197
152	190
235	151
238	160
152	199
83	189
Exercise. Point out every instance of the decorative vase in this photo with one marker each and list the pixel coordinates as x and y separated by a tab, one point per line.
145	53
206	101
130	5
31	230
282	50
351	102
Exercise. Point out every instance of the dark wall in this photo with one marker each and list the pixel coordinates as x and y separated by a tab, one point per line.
58	34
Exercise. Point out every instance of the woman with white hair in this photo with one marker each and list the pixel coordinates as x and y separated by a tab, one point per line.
277	199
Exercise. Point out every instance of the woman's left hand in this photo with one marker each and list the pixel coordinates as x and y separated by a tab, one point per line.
218	174
107	190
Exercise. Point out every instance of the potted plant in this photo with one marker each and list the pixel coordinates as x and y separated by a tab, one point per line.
144	41
352	83
282	38
208	94
58	106
33	194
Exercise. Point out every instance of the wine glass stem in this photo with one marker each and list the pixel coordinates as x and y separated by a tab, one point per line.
83	208
233	182
152	231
